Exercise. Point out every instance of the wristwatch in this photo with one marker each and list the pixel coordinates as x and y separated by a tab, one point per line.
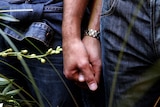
93	33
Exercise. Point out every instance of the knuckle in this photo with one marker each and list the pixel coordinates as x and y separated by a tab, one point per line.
98	63
67	74
89	79
83	64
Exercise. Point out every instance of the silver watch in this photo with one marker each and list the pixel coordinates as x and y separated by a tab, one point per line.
93	33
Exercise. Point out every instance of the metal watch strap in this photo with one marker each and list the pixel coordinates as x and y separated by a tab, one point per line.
93	33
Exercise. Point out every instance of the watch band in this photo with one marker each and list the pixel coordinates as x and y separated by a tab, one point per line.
93	33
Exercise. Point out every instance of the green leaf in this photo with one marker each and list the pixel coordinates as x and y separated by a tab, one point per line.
8	17
2	98
6	89
13	92
4	81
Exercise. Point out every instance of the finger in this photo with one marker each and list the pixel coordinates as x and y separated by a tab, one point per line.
81	77
97	72
89	78
72	75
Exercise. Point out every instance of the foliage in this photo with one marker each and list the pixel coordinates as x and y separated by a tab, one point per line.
7	86
7	93
23	53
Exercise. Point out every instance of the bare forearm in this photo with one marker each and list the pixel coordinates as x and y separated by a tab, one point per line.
94	22
72	17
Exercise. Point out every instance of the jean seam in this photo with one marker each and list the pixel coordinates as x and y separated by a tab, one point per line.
153	35
113	3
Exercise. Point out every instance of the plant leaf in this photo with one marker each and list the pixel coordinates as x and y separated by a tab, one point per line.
6	89
8	17
13	92
4	81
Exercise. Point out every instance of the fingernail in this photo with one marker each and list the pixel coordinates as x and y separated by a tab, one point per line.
93	86
81	78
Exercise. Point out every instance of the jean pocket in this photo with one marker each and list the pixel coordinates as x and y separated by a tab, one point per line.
42	32
108	7
37	31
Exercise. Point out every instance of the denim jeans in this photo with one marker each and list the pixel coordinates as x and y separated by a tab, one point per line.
130	38
42	27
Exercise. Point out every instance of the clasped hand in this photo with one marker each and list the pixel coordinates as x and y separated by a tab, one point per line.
82	61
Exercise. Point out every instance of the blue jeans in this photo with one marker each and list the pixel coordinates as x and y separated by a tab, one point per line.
130	38
47	76
43	28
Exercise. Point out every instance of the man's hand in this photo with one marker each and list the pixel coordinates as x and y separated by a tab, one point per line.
81	63
76	64
93	48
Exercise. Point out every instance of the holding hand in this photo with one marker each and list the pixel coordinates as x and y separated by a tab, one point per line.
76	64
